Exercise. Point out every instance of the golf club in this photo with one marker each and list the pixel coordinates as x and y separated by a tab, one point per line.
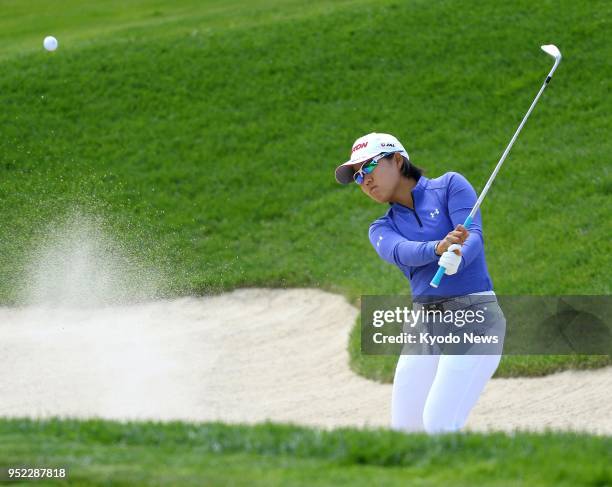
554	52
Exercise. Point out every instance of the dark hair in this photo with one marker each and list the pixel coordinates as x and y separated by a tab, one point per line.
409	170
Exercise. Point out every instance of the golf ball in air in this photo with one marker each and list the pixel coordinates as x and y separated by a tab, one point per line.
50	43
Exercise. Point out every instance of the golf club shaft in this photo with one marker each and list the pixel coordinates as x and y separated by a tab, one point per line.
441	269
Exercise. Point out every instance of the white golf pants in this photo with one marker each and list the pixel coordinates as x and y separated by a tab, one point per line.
435	393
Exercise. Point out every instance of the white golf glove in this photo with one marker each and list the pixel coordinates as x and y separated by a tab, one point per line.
450	260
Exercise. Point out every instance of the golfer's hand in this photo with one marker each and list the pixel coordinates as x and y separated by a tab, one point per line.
457	236
451	260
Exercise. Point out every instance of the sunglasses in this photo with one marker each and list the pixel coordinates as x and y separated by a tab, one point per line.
368	166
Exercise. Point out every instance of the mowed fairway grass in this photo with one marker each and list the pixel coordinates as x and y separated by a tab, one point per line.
110	453
204	136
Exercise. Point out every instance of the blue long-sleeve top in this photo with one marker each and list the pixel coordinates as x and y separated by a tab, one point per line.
407	237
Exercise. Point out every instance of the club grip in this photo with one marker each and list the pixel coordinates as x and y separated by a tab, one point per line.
435	282
438	277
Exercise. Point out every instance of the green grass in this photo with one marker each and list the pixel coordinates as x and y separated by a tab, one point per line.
100	452
205	135
208	139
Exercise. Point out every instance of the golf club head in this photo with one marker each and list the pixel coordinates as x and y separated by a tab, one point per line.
552	50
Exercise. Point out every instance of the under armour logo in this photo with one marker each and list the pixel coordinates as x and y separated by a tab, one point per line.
434	213
379	239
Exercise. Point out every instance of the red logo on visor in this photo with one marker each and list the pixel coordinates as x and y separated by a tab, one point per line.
359	146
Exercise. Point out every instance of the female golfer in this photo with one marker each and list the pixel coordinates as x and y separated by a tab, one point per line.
434	390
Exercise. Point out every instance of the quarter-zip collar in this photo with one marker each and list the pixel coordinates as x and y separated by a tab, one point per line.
416	192
407	238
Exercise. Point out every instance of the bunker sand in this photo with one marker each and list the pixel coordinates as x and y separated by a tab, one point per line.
246	356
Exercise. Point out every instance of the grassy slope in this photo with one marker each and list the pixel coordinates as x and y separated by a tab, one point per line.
206	136
97	452
214	149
